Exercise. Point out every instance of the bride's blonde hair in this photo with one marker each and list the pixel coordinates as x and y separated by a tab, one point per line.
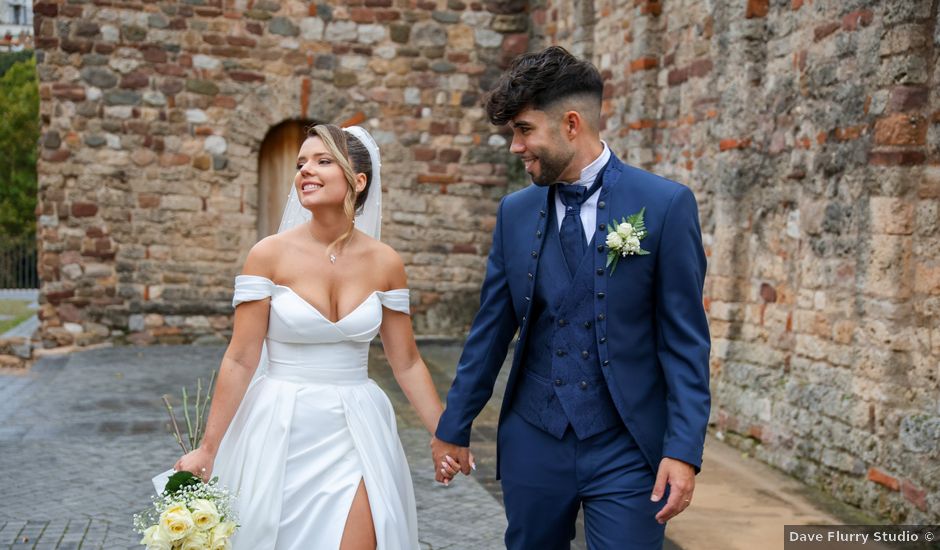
353	158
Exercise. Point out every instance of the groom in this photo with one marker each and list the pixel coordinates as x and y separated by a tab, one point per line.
607	400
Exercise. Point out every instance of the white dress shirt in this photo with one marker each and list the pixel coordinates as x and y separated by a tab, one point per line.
589	207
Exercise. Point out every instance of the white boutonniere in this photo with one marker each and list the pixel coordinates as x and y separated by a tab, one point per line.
623	239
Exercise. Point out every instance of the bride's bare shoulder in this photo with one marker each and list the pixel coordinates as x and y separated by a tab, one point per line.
387	260
265	255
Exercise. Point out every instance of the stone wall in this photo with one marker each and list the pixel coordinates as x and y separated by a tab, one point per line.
15	352
810	133
153	114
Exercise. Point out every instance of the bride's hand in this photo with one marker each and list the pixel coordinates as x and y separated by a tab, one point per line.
450	467
198	462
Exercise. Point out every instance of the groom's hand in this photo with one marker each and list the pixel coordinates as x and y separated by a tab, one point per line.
441	450
681	480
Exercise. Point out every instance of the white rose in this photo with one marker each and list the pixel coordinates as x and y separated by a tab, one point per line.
156	539
205	514
625	230
196	540
220	544
634	243
614	241
176	522
221	533
224	530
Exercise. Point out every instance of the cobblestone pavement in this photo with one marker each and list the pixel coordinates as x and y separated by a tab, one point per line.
81	435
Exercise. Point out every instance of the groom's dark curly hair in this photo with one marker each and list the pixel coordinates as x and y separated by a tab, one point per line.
539	80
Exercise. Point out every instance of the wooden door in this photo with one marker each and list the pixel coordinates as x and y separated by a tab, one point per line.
276	169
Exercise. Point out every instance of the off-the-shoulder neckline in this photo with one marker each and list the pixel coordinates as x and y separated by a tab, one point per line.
317	311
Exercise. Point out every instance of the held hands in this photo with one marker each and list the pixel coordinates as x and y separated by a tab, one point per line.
681	480
198	462
450	459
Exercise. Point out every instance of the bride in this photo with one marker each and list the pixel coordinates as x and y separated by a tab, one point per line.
310	447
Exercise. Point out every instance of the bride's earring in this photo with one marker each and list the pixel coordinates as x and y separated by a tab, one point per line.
332	258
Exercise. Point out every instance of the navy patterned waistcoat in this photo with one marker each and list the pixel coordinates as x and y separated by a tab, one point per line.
562	383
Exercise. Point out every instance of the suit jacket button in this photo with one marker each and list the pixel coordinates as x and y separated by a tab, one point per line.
587	324
535	254
602	226
605	363
600	248
601	204
600	270
531	276
585	354
538	233
601	317
558	382
562	322
600	294
542	213
603	339
560	353
583	385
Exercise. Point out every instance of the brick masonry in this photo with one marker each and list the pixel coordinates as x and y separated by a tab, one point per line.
810	134
806	128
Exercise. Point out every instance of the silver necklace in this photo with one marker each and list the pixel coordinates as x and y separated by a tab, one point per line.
332	256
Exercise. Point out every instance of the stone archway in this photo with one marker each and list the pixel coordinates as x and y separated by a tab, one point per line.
276	171
260	130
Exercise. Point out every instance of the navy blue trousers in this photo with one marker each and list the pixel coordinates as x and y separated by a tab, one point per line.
546	480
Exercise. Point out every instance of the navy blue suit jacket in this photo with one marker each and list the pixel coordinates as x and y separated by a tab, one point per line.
651	329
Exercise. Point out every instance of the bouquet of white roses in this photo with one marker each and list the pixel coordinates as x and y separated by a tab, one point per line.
188	515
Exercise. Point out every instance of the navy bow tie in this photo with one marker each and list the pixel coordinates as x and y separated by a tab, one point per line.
572	196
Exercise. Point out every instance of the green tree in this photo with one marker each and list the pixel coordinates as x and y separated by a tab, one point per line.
7	60
19	135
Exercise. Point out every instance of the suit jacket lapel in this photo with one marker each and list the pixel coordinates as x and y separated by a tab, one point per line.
539	231
611	193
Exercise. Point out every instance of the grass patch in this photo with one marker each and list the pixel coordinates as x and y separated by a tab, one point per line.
17	309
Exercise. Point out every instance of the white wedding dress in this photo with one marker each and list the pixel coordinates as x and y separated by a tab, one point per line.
311	427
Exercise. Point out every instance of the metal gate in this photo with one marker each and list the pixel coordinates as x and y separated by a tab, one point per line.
18	262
